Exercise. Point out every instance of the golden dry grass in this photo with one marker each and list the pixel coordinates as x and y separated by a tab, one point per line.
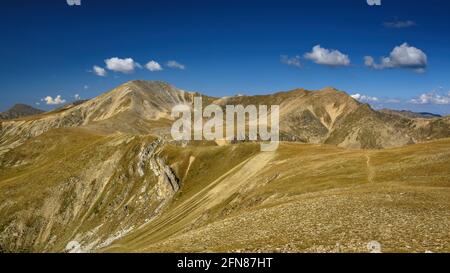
312	198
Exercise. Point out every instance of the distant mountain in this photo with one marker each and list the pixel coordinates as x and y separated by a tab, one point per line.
333	117
19	111
104	175
410	114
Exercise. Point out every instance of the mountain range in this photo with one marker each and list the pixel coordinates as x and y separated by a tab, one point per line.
326	116
103	175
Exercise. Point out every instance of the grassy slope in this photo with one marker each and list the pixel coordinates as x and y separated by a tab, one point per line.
67	183
313	198
70	182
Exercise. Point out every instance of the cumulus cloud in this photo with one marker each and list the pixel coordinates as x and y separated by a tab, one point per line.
153	66
77	97
436	97
291	61
399	24
369	61
126	66
432	98
99	71
175	65
328	57
365	98
53	101
403	56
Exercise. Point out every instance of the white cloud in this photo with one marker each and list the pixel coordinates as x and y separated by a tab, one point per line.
122	65
175	65
365	98
53	101
291	61
153	66
403	56
86	87
399	24
77	97
99	71
432	98
369	61
324	56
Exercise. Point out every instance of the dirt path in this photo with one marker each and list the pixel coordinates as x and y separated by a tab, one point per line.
191	160
370	171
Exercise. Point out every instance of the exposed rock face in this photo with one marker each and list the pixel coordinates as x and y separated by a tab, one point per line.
149	156
102	198
168	175
148	153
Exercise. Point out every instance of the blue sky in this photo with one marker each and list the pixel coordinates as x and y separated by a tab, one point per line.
49	48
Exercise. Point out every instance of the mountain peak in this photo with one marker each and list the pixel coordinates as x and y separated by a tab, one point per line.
20	110
329	89
147	84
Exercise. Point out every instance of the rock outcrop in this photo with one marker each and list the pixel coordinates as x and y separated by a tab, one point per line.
103	192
